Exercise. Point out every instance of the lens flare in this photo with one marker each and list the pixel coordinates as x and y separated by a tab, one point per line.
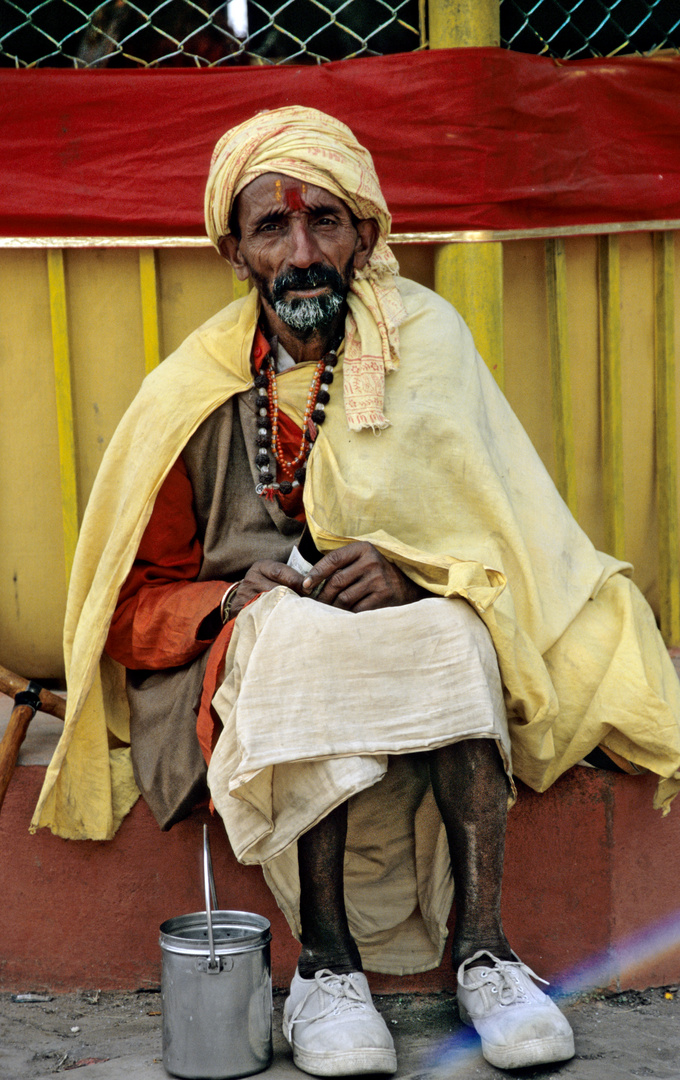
644	945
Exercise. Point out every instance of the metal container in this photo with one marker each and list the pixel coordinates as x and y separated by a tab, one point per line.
216	990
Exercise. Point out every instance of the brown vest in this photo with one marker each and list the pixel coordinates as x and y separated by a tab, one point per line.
236	528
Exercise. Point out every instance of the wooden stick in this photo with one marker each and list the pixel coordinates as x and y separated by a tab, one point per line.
12	684
11	744
21	717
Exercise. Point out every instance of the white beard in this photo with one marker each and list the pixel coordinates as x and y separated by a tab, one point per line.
307	313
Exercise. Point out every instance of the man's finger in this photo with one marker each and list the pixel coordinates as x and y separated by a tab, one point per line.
262	577
267	574
347	585
284	575
332	562
350	577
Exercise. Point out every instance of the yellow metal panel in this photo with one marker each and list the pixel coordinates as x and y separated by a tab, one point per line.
107	350
526	346
149	293
584	382
470	276
416	261
610	393
62	379
666	440
637	392
32	579
556	281
462	23
194	286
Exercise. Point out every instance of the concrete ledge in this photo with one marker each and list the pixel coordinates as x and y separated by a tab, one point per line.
588	864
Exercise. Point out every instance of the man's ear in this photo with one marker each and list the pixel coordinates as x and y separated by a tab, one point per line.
367	237
230	250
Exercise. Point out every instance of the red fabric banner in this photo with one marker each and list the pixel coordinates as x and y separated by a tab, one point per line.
462	139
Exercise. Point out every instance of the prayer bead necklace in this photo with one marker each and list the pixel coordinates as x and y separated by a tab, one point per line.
268	433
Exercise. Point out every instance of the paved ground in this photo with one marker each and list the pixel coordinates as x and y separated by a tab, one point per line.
118	1037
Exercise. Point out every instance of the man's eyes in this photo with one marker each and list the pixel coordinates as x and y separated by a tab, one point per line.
325	221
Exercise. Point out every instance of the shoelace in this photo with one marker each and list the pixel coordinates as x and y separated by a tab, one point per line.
342	992
505	981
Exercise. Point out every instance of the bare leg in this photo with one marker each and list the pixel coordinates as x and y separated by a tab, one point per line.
471	790
326	940
329	1018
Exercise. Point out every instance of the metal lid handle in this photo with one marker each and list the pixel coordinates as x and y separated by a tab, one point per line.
210	897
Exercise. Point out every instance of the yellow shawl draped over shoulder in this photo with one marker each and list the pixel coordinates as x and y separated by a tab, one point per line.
89	786
452	491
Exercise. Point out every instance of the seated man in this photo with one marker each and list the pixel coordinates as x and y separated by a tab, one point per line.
321	530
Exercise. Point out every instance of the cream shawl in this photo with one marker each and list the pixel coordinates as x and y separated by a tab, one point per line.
453	492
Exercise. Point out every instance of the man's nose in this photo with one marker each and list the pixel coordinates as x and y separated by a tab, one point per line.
304	247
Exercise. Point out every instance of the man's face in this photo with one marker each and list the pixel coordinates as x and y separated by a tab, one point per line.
300	245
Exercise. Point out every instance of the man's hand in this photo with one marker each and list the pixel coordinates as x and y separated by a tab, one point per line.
262	577
359	578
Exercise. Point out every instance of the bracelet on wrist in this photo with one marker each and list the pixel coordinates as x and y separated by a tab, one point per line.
227	600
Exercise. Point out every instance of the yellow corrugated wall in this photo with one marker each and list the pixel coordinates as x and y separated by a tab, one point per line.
108	344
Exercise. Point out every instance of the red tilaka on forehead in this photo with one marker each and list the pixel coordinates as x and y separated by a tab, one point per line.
292	197
294	200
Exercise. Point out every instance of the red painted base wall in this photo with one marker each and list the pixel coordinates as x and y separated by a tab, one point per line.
588	864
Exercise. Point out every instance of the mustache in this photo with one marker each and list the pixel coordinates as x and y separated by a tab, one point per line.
312	277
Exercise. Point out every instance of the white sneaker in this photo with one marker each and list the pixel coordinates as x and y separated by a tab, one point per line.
334	1028
518	1024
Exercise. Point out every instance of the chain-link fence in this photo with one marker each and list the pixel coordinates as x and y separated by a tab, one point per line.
133	33
583	28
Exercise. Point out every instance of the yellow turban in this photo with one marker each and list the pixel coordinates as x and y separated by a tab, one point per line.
304	143
318	149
